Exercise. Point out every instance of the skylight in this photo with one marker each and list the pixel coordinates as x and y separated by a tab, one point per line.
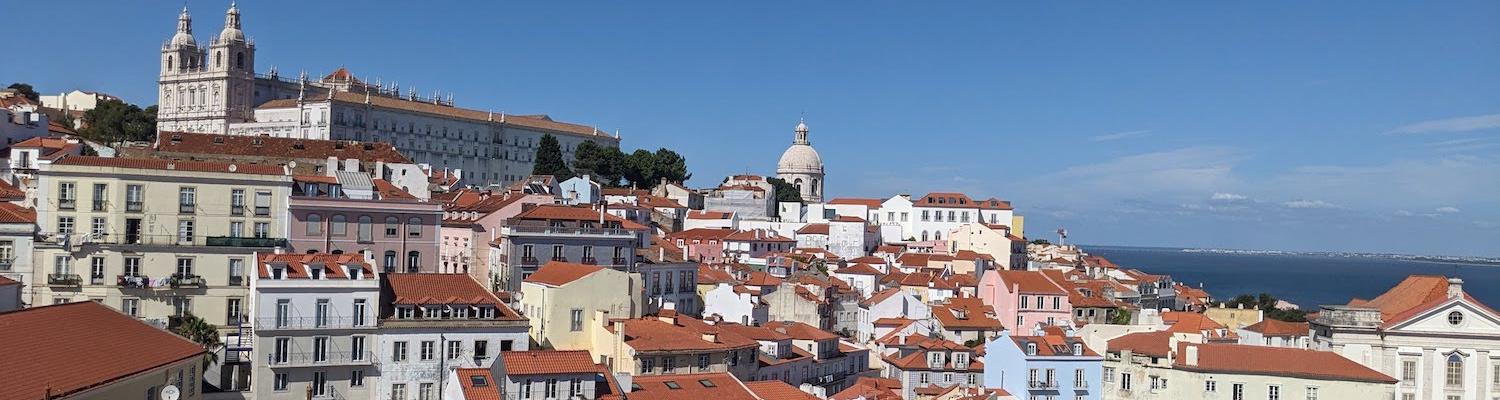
479	381
707	383
673	385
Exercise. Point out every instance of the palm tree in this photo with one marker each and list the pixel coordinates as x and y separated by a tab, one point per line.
203	333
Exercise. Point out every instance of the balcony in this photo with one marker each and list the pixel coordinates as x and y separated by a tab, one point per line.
236	281
186	281
132	281
99	205
230	241
565	231
237	209
134	206
312	323
529	261
64	280
96	280
1042	385
67	204
589	261
311	359
617	261
1080	385
186	208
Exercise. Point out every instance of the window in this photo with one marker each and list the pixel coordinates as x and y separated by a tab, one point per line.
96	270
552	388
236	271
232	310
360	308
427	348
413	261
669	364
1025	302
357	378
134	197
1409	371
1455	370
1273	392
314	224
321	313
648	365
424	391
481	351
357	348
101	194
1237	391
236	229
398	351
414	227
281	351
575	388
389	261
337	226
576	319
526	389
1312	393
237	201
391	228
1210	386
702	362
280	383
67	195
1125	381
7	254
398	391
130	306
1455	318
559	253
65	225
185	268
455	349
1109	374
187	200
283	313
320	349
184	231
262	203
262	230
366	229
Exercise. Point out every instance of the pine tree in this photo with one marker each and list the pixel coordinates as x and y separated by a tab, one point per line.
549	159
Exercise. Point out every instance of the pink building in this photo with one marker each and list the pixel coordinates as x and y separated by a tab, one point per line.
702	244
472	222
352	213
1026	298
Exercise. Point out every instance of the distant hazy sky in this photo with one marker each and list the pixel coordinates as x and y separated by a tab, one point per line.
1371	126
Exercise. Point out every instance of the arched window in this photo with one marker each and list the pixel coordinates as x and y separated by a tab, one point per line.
413	261
314	224
366	228
338	225
392	226
924	236
218	59
389	261
937	235
239	60
1455	373
414	227
816	184
798	183
169	64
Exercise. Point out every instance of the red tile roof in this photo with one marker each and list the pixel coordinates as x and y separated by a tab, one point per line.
870	388
557	212
777	390
871	203
539	122
858	269
7	281
277	147
695	214
959	200
298	264
1276	361
10	192
1030	282
69	348
10	213
719	386
170	165
556	273
1157	344
1053	344
813	229
542	362
801	331
966	313
701	234
1271	327
490	389
649	333
426	288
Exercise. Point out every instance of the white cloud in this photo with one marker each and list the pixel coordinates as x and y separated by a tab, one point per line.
1169	177
1404	213
1228	196
1308	204
1459	124
1447	210
1119	135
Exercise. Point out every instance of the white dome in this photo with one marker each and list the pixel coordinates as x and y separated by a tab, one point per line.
800	158
183	39
229	35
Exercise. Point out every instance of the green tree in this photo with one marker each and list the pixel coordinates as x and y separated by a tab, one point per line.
25	90
640	168
114	121
670	165
549	159
785	192
1042	242
1119	316
603	164
1267	304
204	334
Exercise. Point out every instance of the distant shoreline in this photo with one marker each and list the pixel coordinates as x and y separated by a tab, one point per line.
1470	260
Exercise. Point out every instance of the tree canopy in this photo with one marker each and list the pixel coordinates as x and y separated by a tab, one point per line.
115	121
25	90
785	191
1267	304
549	159
609	165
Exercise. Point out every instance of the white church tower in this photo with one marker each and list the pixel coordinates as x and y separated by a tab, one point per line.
802	167
204	90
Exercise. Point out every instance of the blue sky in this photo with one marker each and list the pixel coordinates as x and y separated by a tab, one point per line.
1370	126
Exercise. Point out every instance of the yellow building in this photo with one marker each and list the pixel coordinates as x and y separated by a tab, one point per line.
156	239
563	300
1008	249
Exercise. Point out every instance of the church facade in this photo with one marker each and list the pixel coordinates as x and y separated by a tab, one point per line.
215	89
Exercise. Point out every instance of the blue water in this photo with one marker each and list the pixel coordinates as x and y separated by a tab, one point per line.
1307	280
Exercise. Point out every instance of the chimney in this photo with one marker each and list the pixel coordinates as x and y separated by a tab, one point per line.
902	340
625	381
1191	356
711	336
1455	287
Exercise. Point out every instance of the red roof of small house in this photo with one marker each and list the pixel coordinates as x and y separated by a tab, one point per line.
870	388
558	273
7	281
1278	328
759	278
813	229
858	269
1275	361
429	288
697	214
777	390
871	203
66	349
1158	344
297	265
966	313
556	212
757	235
710	275
10	192
872	260
1053	344
713	385
1030	282
959	200
800	331
544	362
10	213
478	383
682	333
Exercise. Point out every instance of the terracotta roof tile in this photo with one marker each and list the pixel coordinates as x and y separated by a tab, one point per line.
1271	327
777	390
10	213
1276	361
719	386
813	229
60	348
800	331
10	192
469	379
297	265
1156	344
428	288
543	123
959	200
650	333
166	165
541	362
1030	282
871	203
552	212
557	273
696	214
858	269
277	147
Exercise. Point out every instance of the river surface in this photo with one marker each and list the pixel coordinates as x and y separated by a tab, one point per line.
1307	280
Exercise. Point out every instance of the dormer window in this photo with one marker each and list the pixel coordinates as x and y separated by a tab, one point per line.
487	312
461	311
314	273
404	312
278	273
1031	349
935	359
356	273
1077	349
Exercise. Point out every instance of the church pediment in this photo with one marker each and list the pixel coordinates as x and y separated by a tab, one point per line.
1455	316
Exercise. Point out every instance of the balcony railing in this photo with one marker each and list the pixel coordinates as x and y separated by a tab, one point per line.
589	260
231	241
311	359
186	208
64	280
236	281
186	280
618	261
99	205
237	209
307	323
1042	385
1080	385
133	281
134	206
67	204
562	230
529	261
96	280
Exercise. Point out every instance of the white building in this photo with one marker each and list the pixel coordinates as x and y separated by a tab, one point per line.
433	323
1160	365
801	166
888	303
315	319
217	90
736	304
935	215
76	100
1441	343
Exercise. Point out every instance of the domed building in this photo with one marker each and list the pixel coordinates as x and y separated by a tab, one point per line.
802	167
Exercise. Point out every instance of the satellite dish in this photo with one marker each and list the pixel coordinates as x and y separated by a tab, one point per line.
291	164
232	167
170	393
